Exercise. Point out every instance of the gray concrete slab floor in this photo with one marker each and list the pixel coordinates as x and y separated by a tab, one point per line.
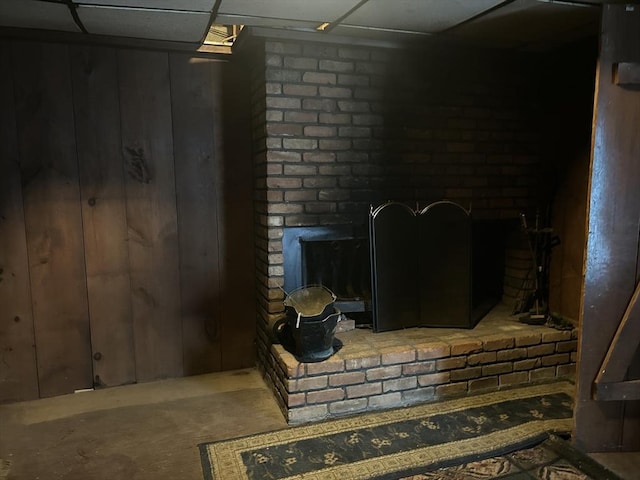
150	431
134	432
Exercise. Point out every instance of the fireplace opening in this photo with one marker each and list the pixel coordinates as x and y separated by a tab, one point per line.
340	265
336	256
489	252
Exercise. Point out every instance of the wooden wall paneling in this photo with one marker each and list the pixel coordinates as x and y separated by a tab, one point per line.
97	115
236	217
18	373
49	170
195	86
573	237
568	223
612	246
145	109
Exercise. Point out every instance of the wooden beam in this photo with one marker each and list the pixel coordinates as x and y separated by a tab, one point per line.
611	263
624	344
626	73
629	390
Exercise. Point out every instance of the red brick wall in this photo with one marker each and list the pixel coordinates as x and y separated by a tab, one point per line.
339	128
346	127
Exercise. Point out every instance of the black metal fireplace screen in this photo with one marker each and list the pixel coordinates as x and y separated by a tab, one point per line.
421	264
431	267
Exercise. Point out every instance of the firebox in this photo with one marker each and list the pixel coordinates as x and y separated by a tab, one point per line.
336	256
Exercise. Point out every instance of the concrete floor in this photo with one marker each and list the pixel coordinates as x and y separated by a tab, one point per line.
150	431
135	432
625	464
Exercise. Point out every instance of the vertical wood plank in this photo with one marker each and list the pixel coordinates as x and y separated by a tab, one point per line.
612	241
53	220
569	224
238	329
195	87
18	373
145	108
97	115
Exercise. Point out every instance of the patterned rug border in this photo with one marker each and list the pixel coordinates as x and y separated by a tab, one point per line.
225	456
452	460
565	451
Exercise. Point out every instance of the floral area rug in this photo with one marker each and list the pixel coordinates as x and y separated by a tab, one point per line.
410	442
552	459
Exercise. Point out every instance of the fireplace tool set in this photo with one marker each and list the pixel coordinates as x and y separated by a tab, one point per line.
541	240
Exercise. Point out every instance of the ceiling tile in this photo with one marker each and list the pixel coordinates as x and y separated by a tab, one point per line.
33	14
146	23
317	11
426	16
185	5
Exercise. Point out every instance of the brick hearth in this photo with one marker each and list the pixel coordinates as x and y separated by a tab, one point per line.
375	371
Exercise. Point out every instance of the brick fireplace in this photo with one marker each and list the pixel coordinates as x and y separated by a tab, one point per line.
340	127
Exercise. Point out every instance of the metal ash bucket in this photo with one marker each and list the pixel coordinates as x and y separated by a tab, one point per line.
311	320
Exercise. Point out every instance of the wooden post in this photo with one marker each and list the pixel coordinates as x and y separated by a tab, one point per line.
611	265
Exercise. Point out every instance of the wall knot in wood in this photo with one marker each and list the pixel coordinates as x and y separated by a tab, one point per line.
138	168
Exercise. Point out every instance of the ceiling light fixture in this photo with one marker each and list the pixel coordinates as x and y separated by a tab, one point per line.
323	26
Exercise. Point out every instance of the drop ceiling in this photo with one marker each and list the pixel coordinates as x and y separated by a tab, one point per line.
522	24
